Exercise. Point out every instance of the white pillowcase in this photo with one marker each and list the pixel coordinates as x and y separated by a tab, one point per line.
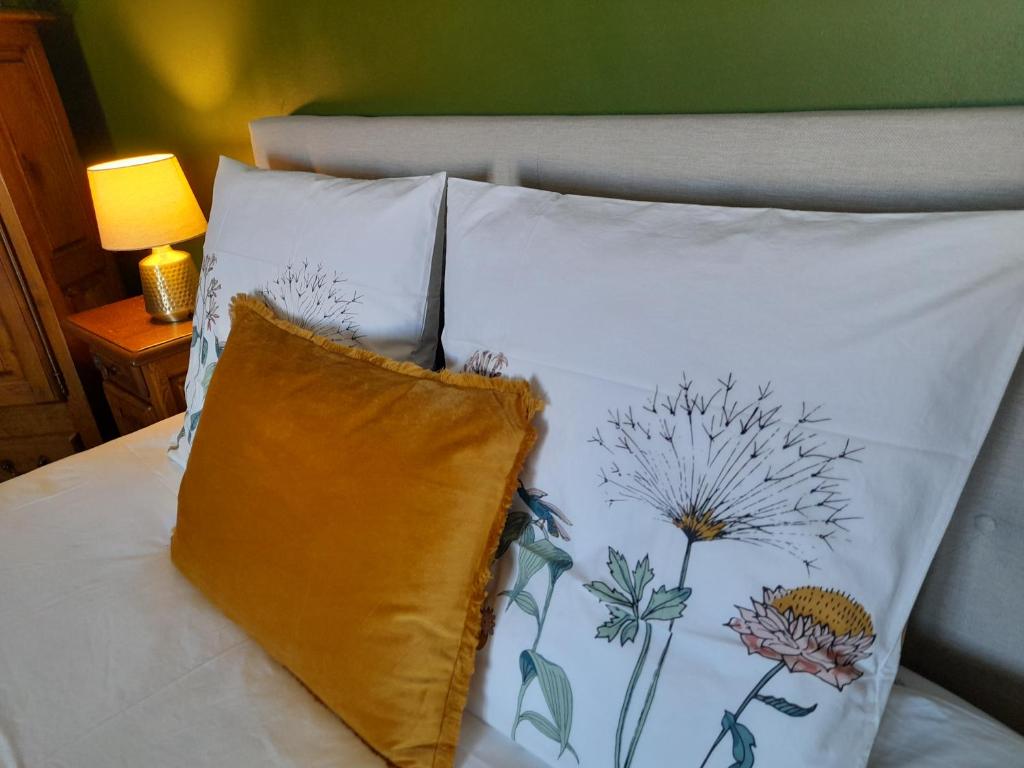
782	407
356	261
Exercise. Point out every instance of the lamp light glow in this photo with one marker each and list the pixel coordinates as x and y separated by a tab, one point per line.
146	202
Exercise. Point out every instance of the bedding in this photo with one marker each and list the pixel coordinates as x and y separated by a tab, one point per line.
759	424
350	529
963	630
356	261
109	658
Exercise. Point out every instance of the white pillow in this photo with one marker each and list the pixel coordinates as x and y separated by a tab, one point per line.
356	261
839	373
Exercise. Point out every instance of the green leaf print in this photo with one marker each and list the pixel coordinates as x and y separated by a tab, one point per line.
666	604
607	594
525	601
557	560
624	622
619	569
547	728
611	628
533	531
529	563
207	375
786	707
555	687
516	522
643	574
743	741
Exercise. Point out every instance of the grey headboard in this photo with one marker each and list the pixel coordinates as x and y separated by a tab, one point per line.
966	631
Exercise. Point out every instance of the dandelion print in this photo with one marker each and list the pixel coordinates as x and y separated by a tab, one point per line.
813	630
720	467
315	299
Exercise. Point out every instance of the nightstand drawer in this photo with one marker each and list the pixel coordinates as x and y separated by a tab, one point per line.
143	363
122	373
130	412
21	455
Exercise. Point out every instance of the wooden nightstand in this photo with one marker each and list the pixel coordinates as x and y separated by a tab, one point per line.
143	362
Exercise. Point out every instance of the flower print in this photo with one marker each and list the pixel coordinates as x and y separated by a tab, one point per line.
819	631
311	297
822	632
532	532
486	626
486	363
623	599
205	347
209	287
211	308
721	466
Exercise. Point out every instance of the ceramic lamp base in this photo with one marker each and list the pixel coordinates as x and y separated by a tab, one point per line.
169	284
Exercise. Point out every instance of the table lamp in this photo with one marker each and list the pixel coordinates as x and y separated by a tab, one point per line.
146	202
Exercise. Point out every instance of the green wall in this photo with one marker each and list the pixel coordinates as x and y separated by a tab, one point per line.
186	76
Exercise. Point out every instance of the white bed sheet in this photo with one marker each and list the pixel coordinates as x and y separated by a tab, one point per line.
108	657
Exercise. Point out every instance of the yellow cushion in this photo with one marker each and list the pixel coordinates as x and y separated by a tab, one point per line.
344	510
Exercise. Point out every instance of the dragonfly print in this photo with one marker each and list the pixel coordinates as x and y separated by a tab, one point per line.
720	467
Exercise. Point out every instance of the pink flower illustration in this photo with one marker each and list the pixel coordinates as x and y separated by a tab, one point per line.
809	629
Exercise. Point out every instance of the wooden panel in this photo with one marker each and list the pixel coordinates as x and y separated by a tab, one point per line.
50	259
28	420
44	164
27	371
161	375
130	412
25	454
45	177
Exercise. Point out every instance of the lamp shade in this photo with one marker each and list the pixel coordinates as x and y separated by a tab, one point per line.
142	202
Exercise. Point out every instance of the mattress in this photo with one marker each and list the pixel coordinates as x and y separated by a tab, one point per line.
108	657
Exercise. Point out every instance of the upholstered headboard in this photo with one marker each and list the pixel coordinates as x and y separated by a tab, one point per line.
966	631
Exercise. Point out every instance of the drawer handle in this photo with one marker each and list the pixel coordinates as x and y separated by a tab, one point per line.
7	467
107	369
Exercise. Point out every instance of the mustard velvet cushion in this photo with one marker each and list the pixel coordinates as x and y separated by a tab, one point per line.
344	510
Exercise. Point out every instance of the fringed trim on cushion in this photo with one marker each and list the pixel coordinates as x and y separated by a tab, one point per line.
465	663
241	302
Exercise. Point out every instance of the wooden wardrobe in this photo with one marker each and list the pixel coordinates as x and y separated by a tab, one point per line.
51	264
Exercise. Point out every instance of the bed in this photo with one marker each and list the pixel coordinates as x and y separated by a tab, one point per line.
109	657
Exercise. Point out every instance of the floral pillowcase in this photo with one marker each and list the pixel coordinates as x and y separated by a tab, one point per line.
355	261
758	425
